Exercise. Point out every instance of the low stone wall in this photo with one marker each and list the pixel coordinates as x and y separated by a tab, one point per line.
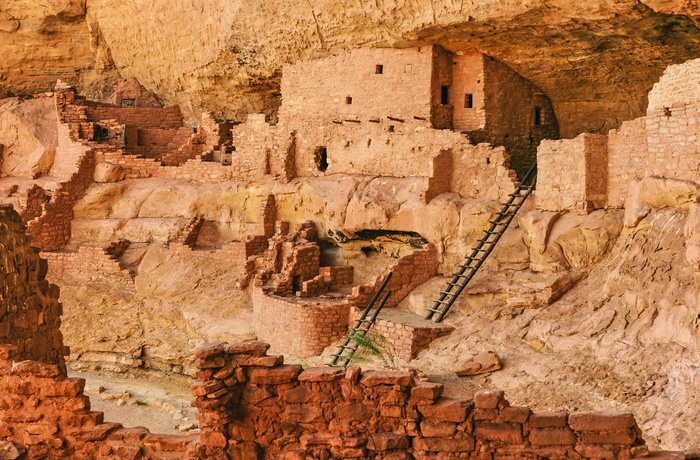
44	414
88	259
298	326
253	406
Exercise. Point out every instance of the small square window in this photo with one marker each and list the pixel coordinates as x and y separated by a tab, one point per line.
379	69
128	103
348	100
468	101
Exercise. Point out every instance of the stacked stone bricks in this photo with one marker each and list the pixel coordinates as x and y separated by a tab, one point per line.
252	406
29	307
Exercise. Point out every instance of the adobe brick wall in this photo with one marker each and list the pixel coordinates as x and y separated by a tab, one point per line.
318	89
627	157
29	307
572	174
677	86
132	89
87	259
251	405
166	118
673	144
300	327
408	340
52	229
408	273
510	104
468	77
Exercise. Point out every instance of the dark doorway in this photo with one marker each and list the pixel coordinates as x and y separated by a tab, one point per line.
321	158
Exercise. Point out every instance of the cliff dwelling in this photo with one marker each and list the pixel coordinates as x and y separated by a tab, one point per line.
348	231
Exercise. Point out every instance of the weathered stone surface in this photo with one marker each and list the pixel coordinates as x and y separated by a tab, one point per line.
601	421
106	172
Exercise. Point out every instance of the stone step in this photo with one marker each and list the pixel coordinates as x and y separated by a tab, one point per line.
409	333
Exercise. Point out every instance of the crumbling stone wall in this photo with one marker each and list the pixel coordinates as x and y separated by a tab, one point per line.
251	405
29	307
572	174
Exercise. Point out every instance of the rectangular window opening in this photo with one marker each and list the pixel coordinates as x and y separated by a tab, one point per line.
468	101
348	100
538	116
379	69
444	95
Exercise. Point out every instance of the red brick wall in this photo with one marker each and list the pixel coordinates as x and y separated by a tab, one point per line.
29	307
253	406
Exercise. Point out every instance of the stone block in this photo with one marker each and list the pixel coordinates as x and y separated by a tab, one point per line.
374	378
388	441
322	374
549	420
488	399
444	444
427	390
447	410
271	376
509	433
552	437
601	421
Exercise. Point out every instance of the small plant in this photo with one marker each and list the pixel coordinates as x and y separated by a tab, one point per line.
141	403
373	347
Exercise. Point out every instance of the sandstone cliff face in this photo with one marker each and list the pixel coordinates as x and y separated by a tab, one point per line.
596	60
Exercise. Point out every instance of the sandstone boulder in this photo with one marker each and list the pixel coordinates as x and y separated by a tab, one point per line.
652	192
28	130
107	172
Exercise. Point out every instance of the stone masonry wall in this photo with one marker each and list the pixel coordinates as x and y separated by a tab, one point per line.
677	86
300	326
673	142
627	156
349	85
166	118
408	273
572	174
88	259
29	307
468	79
518	114
252	406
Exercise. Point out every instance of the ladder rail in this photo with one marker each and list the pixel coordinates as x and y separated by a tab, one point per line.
363	317
351	349
479	253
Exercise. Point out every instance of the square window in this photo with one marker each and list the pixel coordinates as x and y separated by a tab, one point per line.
348	100
379	69
468	101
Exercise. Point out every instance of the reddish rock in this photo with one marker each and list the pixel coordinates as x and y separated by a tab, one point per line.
98	433
322	374
210	350
427	390
213	438
374	378
262	361
515	414
273	376
36	368
552	437
626	437
66	388
486	414
447	410
602	421
549	420
300	413
253	347
387	441
212	363
430	429
169	443
127	452
503	432
488	399
204	388
444	444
